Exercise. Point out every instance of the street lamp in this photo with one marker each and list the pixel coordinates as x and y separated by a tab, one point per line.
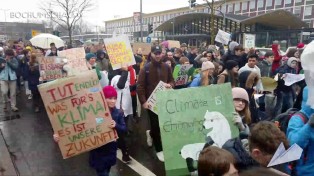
5	22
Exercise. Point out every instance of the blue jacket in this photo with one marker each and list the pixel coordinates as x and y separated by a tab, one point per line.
9	69
196	81
32	76
303	135
106	155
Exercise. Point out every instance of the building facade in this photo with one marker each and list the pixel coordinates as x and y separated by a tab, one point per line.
16	31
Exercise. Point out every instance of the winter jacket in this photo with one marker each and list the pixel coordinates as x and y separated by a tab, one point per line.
197	81
102	63
155	72
303	135
259	85
191	57
33	76
265	68
8	72
106	155
277	57
225	77
281	83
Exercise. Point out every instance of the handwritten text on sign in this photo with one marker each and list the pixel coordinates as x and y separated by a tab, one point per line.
152	100
78	113
76	59
180	74
119	51
50	67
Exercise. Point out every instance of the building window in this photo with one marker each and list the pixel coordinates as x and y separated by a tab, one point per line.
308	11
269	3
288	1
244	7
298	2
277	2
260	4
223	9
230	8
309	2
237	7
252	4
297	11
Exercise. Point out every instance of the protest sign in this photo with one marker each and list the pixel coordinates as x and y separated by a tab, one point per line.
292	78
187	117
50	67
75	60
222	37
181	74
119	51
249	40
269	84
145	47
78	113
152	100
173	44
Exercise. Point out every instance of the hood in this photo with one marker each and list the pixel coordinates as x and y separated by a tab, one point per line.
248	79
99	52
306	109
274	47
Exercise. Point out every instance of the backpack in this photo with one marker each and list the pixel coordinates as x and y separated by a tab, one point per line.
282	120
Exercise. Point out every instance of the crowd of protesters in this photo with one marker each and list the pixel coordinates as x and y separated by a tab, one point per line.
242	68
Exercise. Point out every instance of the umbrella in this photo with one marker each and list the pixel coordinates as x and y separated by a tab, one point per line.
44	40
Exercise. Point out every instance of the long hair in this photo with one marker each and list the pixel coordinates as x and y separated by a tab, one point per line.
233	78
246	113
204	78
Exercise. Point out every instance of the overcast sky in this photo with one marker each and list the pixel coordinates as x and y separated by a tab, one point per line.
104	10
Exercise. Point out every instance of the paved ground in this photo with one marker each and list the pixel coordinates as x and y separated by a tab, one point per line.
27	148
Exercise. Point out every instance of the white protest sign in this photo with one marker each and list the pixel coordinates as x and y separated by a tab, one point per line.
249	40
223	37
152	100
284	156
292	78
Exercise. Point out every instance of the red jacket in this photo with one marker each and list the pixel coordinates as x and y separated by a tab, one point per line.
277	57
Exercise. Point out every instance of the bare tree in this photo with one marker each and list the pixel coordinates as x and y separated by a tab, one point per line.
71	12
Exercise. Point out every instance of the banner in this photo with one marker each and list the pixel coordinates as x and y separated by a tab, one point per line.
145	47
181	74
222	37
152	100
78	113
75	60
50	68
119	51
188	117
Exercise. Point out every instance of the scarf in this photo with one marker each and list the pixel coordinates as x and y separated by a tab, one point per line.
132	79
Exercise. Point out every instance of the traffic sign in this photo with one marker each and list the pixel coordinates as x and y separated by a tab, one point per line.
148	39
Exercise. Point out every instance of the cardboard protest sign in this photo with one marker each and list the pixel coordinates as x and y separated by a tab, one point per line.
145	47
173	44
75	60
78	113
181	74
152	100
119	51
187	117
249	40
50	68
222	37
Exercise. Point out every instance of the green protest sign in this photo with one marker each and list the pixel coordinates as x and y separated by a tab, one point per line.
181	74
188	117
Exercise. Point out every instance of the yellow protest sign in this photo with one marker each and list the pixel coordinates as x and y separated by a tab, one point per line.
269	84
119	51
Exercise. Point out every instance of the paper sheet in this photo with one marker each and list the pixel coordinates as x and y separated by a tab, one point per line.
284	156
292	78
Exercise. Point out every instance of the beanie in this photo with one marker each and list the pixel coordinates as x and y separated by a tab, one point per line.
230	64
207	65
240	93
300	46
290	60
89	56
109	92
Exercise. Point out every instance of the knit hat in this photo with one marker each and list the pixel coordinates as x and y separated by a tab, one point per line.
109	92
300	46
89	56
240	93
230	64
290	60
207	65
